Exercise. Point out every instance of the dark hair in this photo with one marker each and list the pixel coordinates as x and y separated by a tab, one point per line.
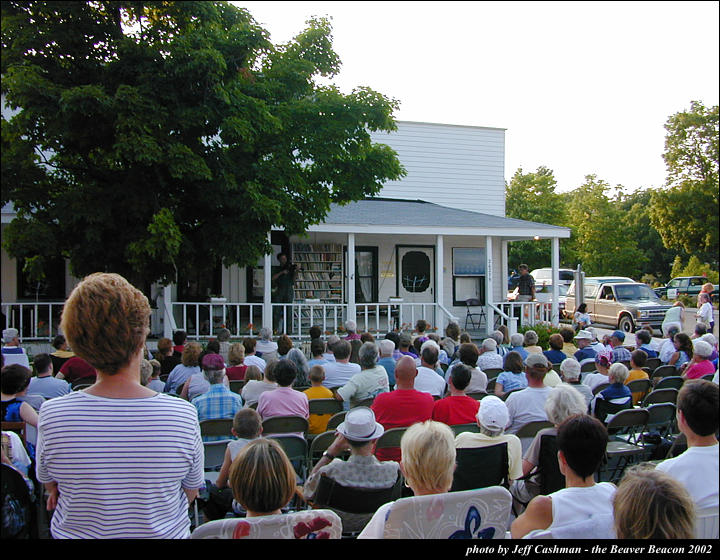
58	341
468	354
513	362
41	363
582	308
452	331
685	344
465	338
700	329
367	337
395	337
461	375
342	349
14	378
639	358
643	336
583	441
556	341
317	346
249	344
421	326
315	332
179	338
567	334
285	372
212	347
417	344
285	344
247	423
430	354
698	401
523	267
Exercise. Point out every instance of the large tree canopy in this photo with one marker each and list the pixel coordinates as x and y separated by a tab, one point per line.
155	136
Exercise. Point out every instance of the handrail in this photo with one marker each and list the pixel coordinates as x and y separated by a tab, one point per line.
510	322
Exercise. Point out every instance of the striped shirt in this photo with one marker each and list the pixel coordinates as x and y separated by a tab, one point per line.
218	402
120	465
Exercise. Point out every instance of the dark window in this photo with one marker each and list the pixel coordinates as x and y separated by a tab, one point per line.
50	287
366	274
415	271
199	285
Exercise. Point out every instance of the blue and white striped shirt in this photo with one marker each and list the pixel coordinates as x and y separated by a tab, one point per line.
120	465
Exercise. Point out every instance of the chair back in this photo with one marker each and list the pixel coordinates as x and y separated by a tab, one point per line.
531	428
630	422
706	523
336	420
319	445
661	417
708	377
665	371
215	454
19	517
333	495
325	406
479	514
491	385
600	387
236	385
391	438
587	367
460	428
20	428
653	363
301	388
305	524
285	425
660	396
477	396
216	427
493	372
639	387
506	395
83	382
551	479
670	382
366	402
604	408
481	467
296	449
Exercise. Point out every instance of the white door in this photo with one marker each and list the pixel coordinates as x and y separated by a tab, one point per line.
416	274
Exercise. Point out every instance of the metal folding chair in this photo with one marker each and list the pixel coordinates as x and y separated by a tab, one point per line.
481	467
660	396
470	316
624	446
285	425
670	382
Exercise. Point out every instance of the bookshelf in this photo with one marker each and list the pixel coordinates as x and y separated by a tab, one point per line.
322	272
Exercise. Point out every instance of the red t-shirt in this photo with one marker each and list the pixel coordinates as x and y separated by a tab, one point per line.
399	409
76	368
236	373
460	409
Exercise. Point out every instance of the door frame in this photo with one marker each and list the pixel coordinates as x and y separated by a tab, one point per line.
433	284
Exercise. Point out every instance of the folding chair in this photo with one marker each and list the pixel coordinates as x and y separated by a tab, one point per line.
216	427
547	472
83	383
653	363
670	382
470	316
491	385
599	388
336	420
660	396
214	454
366	402
391	438
604	408
479	514
625	429
530	429
296	448
236	385
665	371
708	377
492	373
319	445
661	418
460	428
305	524
19	510
588	367
325	406
285	425
476	396
481	467
506	395
639	388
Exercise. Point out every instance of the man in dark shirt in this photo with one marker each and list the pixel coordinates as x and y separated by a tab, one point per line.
284	280
526	284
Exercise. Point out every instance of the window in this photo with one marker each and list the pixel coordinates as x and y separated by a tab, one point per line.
366	274
468	274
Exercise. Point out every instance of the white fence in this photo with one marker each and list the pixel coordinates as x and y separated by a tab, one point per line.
33	320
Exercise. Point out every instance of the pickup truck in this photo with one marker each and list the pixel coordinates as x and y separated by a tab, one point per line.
620	303
685	285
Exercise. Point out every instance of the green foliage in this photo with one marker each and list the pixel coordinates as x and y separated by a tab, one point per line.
158	136
543	330
695	267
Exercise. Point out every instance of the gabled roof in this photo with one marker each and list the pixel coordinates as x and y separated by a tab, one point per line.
395	216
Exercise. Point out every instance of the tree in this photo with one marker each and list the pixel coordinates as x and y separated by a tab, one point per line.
156	136
685	213
531	196
601	240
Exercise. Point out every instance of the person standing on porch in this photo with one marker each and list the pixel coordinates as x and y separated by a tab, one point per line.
284	281
526	284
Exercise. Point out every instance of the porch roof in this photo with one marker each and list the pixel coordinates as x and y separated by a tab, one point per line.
395	216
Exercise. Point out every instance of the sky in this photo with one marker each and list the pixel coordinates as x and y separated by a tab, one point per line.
580	87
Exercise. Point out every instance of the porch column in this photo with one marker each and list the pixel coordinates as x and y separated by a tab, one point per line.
351	277
267	318
168	317
504	273
439	284
489	283
555	309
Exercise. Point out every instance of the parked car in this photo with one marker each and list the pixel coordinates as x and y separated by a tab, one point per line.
544	275
620	302
685	285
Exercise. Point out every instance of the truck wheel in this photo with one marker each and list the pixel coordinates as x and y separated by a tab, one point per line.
626	324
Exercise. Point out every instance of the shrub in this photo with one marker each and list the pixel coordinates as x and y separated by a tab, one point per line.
543	330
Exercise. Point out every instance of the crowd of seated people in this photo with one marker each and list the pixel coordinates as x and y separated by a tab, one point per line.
418	395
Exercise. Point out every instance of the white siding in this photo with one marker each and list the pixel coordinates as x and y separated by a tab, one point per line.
457	166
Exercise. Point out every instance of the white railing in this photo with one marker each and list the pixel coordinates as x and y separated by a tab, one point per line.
525	313
203	319
295	319
34	320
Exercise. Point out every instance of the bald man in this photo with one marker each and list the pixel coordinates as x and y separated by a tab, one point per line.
402	407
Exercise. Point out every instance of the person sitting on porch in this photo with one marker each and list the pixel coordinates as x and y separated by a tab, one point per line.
387	348
427	379
76	368
351	328
492	417
188	367
250	358
62	352
697	467
644	343
516	345
562	403
358	434
265	346
570	375
457	407
283	401
528	405
44	383
468	354
370	382
700	365
555	355
451	342
257	382
317	349
236	357
297	356
218	401
402	407
513	375
489	358
339	372
12	353
617	392
530	342
582	441
600	375
318	422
